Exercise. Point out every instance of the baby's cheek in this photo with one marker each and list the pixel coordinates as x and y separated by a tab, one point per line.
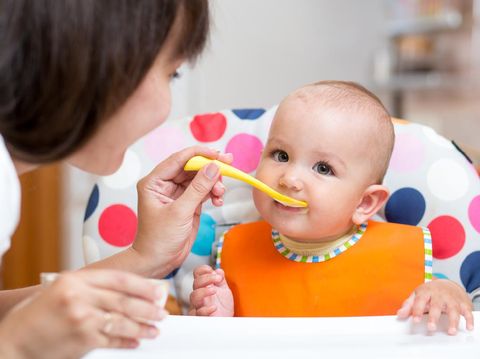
261	201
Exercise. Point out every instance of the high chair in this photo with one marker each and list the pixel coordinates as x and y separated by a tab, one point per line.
432	183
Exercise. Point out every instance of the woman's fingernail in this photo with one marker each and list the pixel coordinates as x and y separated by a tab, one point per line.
211	170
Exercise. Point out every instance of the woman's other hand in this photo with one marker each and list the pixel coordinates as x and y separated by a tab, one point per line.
81	311
169	206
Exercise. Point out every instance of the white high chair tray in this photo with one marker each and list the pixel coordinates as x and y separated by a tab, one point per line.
348	337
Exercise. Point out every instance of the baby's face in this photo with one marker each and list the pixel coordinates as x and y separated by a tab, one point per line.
318	156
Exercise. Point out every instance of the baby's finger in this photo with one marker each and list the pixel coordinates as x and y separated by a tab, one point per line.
220	272
468	315
434	313
206	280
206	311
406	309
201	270
419	307
453	319
198	296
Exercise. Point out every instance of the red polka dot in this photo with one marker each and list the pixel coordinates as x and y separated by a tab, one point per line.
448	236
118	225
246	150
209	127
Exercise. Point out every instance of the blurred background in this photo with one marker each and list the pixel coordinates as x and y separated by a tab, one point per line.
421	57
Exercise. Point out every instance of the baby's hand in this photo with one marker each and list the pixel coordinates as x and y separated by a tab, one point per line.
437	297
211	295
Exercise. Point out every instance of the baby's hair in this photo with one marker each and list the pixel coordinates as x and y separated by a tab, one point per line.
354	97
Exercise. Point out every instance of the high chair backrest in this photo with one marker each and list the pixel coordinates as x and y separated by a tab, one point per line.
431	181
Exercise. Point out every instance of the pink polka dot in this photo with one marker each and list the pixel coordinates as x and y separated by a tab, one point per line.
209	127
164	141
408	153
118	225
448	236
474	213
246	150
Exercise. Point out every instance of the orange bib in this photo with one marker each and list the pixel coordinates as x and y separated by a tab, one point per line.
372	277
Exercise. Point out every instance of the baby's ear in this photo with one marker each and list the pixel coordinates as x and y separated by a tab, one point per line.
372	200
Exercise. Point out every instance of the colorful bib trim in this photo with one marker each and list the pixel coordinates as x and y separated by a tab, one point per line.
427	240
289	254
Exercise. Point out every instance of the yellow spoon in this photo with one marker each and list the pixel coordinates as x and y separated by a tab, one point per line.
197	162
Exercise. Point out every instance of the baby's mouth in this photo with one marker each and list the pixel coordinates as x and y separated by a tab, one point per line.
286	207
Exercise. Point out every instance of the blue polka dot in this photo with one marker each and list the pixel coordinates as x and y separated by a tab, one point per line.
205	237
406	206
171	274
470	271
92	203
440	276
249	113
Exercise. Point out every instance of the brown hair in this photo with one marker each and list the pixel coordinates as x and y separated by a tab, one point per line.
353	96
67	65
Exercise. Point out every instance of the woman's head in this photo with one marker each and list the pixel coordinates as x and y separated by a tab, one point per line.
67	68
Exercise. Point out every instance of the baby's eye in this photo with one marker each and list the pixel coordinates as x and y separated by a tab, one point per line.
323	168
280	156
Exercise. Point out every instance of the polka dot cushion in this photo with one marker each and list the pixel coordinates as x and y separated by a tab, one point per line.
434	184
431	181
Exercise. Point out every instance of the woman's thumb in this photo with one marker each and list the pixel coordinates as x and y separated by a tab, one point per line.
199	188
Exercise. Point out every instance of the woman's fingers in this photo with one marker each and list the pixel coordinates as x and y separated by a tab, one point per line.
118	326
173	165
121	343
198	189
122	282
129	306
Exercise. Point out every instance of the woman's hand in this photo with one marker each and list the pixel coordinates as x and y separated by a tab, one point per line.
81	311
437	297
169	205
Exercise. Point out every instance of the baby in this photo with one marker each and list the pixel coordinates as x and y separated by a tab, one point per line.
329	145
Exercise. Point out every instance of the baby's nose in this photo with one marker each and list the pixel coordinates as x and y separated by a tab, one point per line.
291	181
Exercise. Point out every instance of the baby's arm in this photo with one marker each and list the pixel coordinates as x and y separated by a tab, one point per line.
437	297
211	295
